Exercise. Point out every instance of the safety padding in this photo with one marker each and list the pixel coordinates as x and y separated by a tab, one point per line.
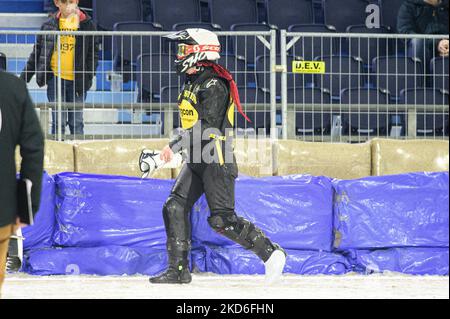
117	157
254	156
58	157
103	261
40	235
336	160
407	210
226	261
396	157
102	210
293	211
412	261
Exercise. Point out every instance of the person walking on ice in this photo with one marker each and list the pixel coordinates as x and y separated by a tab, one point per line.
207	105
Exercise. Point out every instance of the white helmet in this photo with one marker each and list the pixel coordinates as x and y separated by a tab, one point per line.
195	45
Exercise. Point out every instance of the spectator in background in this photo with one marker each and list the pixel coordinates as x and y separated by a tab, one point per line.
79	61
19	125
425	17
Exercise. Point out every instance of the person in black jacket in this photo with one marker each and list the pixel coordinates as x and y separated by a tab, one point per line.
79	61
207	106
19	125
425	17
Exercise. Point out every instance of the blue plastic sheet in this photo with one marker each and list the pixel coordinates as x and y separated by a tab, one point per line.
40	235
413	261
97	210
294	211
222	260
103	261
408	210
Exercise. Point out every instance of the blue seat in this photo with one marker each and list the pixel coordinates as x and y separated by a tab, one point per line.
341	72
424	96
432	122
307	122
364	122
439	69
237	66
2	61
342	13
368	48
284	13
248	46
310	47
155	71
127	48
308	95
21	6
394	74
262	70
108	13
194	25
226	14
171	12
389	12
259	116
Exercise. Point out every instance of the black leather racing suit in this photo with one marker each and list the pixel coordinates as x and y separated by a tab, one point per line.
205	103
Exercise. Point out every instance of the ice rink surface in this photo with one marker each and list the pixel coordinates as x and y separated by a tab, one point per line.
211	286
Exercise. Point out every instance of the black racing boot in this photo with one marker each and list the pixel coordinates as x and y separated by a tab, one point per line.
177	273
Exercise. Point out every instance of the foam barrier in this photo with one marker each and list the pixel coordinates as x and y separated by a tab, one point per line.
408	210
99	210
413	261
103	261
223	260
294	211
40	235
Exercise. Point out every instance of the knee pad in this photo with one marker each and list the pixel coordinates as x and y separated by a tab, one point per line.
242	232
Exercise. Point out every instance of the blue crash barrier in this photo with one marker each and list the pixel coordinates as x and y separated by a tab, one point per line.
294	211
222	260
106	260
40	235
413	261
408	210
98	210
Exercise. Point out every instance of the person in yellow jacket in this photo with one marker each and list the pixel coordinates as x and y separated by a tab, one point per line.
79	61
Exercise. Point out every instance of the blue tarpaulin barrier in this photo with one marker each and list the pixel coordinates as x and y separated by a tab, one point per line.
107	260
413	261
223	260
294	211
408	210
40	235
98	210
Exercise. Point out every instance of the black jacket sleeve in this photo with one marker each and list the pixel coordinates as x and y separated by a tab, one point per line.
31	143
406	21
30	68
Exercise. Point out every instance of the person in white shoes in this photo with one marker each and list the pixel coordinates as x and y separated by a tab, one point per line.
207	106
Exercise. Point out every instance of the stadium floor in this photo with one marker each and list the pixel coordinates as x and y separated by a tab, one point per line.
206	286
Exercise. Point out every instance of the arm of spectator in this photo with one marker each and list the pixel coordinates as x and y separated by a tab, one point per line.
406	22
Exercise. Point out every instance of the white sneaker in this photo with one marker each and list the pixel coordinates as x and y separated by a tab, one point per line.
274	266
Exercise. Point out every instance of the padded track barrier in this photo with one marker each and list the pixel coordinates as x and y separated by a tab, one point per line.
40	235
223	260
294	211
407	210
99	210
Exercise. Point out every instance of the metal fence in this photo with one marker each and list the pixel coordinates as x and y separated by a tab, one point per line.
311	86
350	87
